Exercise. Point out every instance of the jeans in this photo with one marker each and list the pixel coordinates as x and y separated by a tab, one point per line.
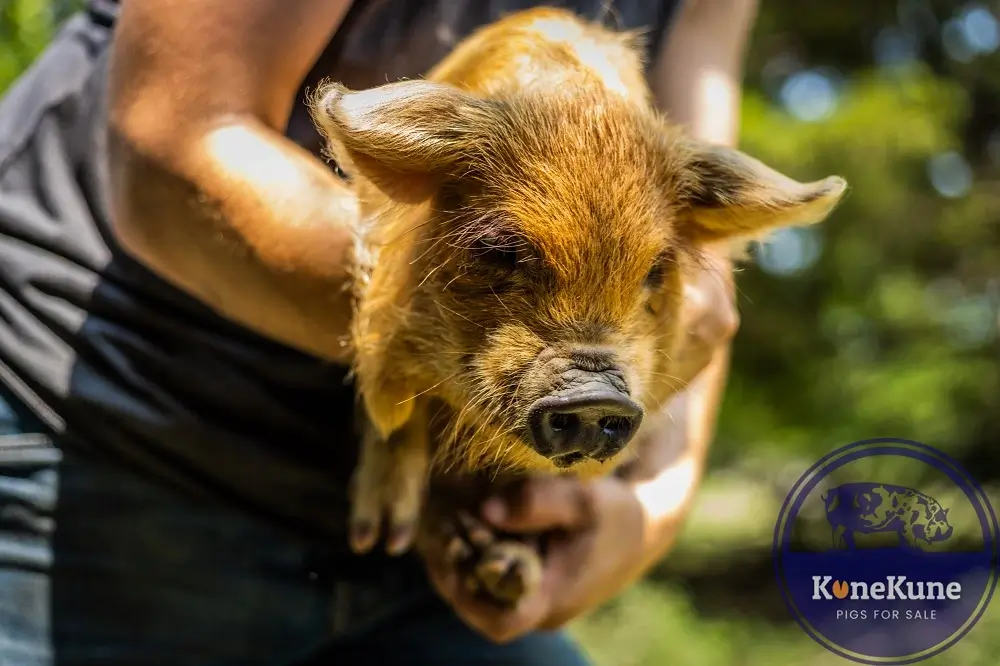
101	567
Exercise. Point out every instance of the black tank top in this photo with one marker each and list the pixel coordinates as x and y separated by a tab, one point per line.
120	363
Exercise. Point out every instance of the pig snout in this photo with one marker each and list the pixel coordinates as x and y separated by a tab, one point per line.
588	425
590	415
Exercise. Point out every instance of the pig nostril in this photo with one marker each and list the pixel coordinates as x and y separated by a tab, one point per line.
590	425
563	421
616	426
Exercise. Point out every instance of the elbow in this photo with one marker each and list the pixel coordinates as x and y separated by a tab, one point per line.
129	165
153	173
144	187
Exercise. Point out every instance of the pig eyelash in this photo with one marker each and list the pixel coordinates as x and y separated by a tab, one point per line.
654	278
500	252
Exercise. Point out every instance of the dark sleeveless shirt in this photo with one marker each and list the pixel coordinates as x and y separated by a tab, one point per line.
121	364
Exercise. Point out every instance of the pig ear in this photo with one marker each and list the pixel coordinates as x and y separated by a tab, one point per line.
401	136
732	195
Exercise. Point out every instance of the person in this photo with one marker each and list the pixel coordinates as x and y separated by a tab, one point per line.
176	429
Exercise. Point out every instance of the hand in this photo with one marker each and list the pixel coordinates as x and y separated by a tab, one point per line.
709	318
595	546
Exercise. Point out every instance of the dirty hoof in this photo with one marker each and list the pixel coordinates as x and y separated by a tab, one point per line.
500	568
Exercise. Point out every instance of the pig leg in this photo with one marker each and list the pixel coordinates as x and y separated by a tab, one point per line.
502	569
910	536
389	483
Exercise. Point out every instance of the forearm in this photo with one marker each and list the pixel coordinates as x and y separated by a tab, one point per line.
245	221
697	77
675	457
697	81
205	190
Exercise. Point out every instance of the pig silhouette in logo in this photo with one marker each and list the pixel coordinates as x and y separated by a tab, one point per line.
872	508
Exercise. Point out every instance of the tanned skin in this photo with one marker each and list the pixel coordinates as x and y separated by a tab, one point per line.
206	190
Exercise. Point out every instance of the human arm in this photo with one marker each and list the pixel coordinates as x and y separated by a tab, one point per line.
697	81
205	188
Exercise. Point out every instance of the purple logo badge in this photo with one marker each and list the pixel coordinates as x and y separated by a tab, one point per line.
877	570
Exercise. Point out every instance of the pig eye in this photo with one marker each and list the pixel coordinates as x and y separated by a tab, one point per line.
498	251
654	278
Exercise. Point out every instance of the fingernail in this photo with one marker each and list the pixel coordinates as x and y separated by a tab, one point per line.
494	510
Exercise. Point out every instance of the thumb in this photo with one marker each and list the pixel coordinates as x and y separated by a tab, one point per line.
543	505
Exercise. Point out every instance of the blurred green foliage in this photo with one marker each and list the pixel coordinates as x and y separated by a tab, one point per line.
881	322
26	26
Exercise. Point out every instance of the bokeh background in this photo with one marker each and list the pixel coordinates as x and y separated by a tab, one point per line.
883	322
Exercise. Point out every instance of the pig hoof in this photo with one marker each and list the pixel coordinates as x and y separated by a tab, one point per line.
386	498
362	535
401	535
503	570
365	522
366	527
509	571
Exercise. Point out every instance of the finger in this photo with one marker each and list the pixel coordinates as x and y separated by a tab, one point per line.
709	296
709	321
718	322
444	556
714	269
542	505
445	580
